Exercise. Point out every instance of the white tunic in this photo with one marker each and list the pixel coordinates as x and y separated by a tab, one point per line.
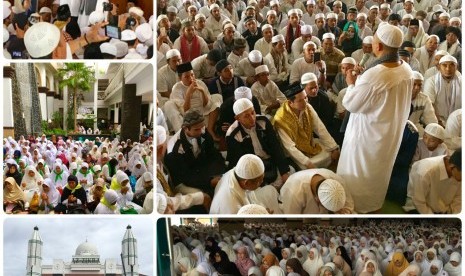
104	210
423	152
297	197
234	59
445	95
263	46
300	67
379	104
454	130
201	68
215	26
268	94
166	79
297	48
430	190
245	69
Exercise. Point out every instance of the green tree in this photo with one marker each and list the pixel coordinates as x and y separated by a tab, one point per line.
78	77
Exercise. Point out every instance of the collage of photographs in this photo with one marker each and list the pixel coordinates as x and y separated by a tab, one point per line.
284	137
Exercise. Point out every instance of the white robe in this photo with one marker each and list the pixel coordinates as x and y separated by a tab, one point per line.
454	130
379	104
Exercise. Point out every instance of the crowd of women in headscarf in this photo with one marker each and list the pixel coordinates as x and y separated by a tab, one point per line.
71	176
371	248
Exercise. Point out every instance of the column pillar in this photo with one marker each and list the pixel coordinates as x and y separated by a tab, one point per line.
65	107
8	119
50	104
43	101
116	118
130	113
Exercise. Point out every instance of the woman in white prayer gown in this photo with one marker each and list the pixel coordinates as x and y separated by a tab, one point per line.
49	197
314	262
31	179
454	266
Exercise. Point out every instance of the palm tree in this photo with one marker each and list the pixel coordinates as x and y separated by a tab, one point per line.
78	77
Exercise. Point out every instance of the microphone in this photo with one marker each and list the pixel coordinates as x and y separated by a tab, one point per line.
364	60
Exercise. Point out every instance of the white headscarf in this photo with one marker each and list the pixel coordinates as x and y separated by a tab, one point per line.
31	182
53	194
437	263
275	271
454	270
312	266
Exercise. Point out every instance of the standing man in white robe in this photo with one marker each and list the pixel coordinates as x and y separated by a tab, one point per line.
379	102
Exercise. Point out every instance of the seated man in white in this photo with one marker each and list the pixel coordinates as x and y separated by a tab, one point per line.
315	191
422	113
307	64
295	122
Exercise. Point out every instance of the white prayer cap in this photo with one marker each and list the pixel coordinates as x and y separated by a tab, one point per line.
319	15
455	19
418	76
84	165
191	7
444	14
306	29
261	69
337	3
277	38
435	130
255	56
390	35
368	39
128	35
198	16
331	15
173	53
172	9
144	32
97	168
242	92
348	60
242	105
311	2
308	43
332	195
329	35
161	17
141	49
292	11
214	6
6	35
271	12
111	196
385	6
229	25
299	11
96	17
6	9
448	58
274	2
121	48
249	166
308	77
411	1
45	10
161	135
407	16
73	166
441	53
41	39
374	7
438	8
137	11
252	209
252	2
267	26
362	15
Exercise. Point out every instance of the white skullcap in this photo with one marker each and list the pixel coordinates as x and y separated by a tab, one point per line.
41	39
96	17
173	53
255	56
308	77
6	4
411	1
407	16
292	11
45	10
444	14
242	105
161	17
128	35
441	53
6	10
73	166
390	35
332	195
111	196
368	39
309	43
311	2
362	15
121	48
455	19
198	16
249	166
331	15
329	35
229	25
214	6
385	6
418	76
437	8
299	11
348	60
84	165
306	29
271	12
435	130
242	92
191	7
97	168
162	203
267	26
277	38
161	134
141	49
337	2
137	11
274	2
252	209
374	7
448	58
144	32
261	69
319	15
6	35
172	9
252	2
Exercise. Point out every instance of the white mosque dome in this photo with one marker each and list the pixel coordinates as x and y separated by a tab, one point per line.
86	249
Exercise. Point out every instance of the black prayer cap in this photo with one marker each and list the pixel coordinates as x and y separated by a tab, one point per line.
293	90
184	67
456	158
455	31
394	16
404	53
221	65
352	10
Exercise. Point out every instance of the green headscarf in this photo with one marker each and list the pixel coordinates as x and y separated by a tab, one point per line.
356	39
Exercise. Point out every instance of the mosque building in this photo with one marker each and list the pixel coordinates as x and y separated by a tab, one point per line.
86	260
